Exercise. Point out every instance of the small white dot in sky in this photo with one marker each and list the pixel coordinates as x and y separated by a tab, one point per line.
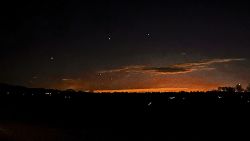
147	35
51	58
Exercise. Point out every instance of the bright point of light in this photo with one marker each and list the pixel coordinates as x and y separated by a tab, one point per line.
48	93
172	98
219	97
67	97
150	103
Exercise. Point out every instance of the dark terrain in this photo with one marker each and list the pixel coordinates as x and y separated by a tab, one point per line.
46	115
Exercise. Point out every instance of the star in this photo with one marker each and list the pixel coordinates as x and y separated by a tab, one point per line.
51	58
109	36
147	35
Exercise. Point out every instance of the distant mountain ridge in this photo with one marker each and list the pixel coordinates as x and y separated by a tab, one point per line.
9	86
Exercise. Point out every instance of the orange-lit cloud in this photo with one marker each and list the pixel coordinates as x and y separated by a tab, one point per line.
174	69
205	63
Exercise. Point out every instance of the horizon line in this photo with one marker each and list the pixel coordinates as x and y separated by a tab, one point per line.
149	90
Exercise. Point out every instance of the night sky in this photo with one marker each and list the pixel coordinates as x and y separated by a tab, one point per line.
125	45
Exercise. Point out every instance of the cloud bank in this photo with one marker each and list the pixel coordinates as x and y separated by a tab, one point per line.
173	69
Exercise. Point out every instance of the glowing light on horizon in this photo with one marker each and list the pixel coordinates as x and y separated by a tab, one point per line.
161	90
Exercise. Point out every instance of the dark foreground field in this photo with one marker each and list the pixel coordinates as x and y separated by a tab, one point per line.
46	115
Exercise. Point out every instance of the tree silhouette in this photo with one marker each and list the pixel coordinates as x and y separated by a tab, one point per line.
248	88
226	89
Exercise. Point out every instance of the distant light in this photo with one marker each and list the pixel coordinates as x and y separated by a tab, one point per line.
220	97
171	98
67	97
150	103
48	93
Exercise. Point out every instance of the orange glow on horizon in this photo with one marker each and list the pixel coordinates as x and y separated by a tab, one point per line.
149	90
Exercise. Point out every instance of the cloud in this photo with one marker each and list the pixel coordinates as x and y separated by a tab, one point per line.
209	62
173	69
124	69
167	70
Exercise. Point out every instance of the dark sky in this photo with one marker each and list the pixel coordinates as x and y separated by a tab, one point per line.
113	44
